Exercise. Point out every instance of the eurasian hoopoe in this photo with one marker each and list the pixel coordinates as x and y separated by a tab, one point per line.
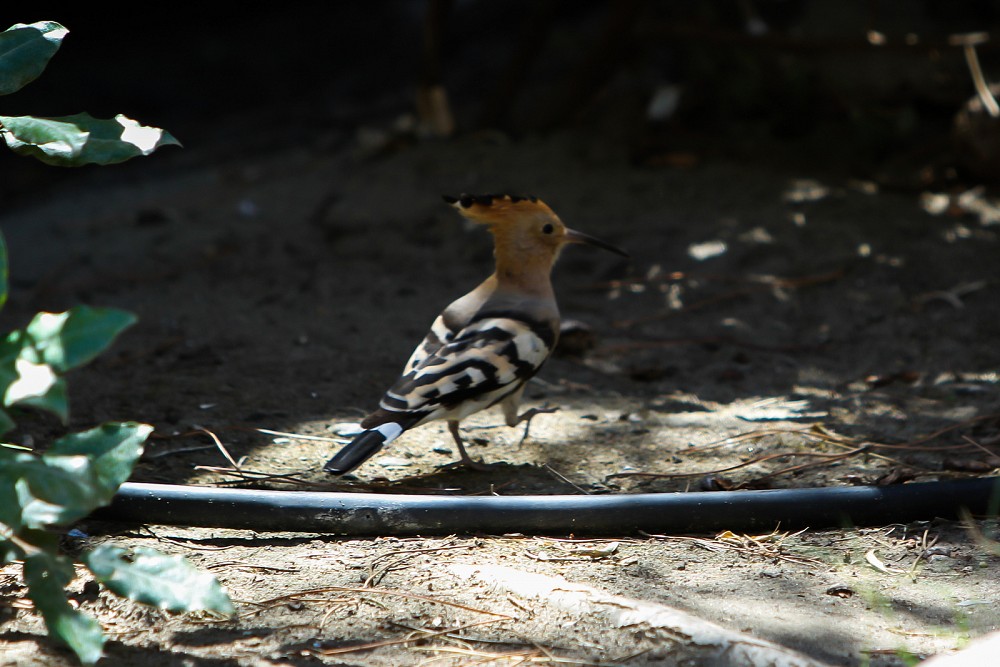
486	345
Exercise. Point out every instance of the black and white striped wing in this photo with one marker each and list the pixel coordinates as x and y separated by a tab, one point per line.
487	360
439	336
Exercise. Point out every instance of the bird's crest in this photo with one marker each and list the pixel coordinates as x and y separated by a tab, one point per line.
498	208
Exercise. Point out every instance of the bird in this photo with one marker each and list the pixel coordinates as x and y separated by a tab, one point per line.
485	346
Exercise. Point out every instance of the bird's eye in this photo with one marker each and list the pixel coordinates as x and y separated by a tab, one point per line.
548	229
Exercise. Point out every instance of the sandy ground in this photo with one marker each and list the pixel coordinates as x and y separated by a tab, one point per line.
803	312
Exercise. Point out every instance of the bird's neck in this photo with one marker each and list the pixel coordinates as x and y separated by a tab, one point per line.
524	275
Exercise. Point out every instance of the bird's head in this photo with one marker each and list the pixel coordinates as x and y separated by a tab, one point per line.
525	227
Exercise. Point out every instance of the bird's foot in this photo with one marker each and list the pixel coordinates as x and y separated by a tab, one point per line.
471	464
465	461
528	415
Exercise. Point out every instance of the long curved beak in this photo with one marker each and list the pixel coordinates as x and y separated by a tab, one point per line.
573	236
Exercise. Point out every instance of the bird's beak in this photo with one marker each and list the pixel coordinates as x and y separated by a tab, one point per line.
573	236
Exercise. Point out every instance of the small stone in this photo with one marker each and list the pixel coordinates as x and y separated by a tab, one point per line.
345	429
840	591
702	251
393	462
942	551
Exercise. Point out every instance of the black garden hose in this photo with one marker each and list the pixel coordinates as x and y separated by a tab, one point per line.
622	514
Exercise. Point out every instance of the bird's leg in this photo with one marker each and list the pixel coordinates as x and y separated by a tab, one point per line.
528	415
510	406
466	460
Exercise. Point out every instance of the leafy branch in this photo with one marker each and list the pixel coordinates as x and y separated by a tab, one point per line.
82	471
67	141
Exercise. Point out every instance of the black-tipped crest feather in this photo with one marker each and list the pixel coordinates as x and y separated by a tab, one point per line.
467	201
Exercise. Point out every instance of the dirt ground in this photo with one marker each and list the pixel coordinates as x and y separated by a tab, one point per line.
776	315
283	291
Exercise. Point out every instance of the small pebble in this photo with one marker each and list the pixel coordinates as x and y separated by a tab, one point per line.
345	429
393	462
942	550
840	591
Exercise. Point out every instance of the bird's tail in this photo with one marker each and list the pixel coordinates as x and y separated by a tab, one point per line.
364	446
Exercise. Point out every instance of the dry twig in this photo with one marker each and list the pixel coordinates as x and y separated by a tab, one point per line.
406	555
769	546
758	459
422	635
819	433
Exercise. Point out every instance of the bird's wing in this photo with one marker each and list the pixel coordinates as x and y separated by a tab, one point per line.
483	362
440	335
486	361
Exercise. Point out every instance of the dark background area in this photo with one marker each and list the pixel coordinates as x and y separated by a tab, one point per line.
806	85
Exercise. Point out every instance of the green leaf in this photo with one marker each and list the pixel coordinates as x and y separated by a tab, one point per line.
6	423
71	339
113	449
80	473
37	385
47	575
10	508
72	141
10	350
153	578
54	343
25	50
51	140
12	462
3	271
57	490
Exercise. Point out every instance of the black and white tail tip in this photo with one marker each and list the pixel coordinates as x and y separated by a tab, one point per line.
362	448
